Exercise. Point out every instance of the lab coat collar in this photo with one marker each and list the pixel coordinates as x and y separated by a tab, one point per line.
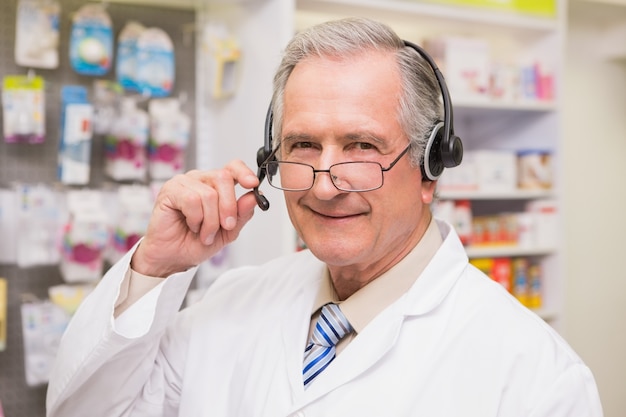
439	277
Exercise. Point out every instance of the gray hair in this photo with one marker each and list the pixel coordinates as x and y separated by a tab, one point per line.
419	108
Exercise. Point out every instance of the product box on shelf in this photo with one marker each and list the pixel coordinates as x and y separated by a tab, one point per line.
498	269
483	170
545	217
495	170
534	169
502	272
504	82
466	64
459	214
495	230
521	276
461	178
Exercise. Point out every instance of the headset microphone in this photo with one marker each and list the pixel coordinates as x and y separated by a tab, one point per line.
443	149
261	200
261	157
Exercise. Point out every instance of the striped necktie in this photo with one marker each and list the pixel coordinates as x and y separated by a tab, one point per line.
330	327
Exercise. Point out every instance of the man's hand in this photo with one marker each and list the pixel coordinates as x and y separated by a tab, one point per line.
194	216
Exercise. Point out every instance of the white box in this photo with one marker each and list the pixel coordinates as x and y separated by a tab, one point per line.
545	216
496	170
460	178
465	63
8	226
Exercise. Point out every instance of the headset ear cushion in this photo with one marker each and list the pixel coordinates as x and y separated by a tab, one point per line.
432	163
452	152
261	156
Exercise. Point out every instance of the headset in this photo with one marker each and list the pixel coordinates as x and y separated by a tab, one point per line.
443	149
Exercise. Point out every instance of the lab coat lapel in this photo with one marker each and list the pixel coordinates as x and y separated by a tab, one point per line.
363	352
295	329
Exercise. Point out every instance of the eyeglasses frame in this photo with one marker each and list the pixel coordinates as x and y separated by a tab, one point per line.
272	158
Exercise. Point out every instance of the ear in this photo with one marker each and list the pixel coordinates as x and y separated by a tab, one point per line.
428	191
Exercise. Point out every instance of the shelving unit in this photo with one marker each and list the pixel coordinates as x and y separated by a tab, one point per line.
508	251
175	4
493	195
485	123
409	10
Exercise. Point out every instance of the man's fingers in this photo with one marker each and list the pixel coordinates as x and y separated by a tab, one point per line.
217	199
224	181
245	210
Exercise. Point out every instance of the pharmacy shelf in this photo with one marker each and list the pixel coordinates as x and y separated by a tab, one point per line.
495	195
408	10
191	5
505	105
508	251
485	122
176	4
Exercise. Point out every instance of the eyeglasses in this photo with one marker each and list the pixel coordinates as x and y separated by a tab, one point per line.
356	176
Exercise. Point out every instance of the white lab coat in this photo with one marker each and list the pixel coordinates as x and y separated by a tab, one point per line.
456	344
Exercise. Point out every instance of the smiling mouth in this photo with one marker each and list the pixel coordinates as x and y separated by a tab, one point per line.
335	216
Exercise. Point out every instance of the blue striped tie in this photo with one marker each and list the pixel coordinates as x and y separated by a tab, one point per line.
331	326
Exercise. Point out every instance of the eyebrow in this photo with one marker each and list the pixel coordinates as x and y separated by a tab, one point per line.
350	136
295	136
364	135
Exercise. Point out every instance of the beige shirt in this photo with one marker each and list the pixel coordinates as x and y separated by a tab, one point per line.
365	304
133	287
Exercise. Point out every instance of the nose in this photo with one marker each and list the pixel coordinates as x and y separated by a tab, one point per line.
323	187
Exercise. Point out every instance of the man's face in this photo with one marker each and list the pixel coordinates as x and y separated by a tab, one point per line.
339	110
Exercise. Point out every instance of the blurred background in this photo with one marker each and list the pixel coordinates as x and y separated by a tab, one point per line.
103	101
